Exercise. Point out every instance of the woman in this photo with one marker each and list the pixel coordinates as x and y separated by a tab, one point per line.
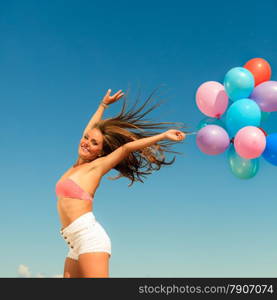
106	144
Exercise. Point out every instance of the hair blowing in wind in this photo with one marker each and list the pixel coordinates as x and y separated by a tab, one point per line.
130	125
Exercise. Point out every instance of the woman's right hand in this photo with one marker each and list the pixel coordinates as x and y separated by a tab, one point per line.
174	135
108	99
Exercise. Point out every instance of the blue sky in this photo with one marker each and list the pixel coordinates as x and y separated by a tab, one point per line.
191	219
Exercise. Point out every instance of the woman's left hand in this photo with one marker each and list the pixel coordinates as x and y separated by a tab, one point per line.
108	99
174	135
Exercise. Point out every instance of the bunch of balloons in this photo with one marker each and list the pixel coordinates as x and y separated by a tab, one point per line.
252	97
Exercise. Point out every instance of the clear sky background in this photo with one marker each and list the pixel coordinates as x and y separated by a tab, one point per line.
191	219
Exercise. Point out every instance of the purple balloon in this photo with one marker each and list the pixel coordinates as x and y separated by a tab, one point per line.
212	139
265	94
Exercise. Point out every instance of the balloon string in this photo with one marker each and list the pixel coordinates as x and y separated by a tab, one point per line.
192	133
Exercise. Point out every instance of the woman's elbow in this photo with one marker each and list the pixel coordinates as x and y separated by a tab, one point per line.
127	147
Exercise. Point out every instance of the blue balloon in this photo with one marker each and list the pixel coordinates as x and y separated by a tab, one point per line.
238	83
270	152
241	113
241	167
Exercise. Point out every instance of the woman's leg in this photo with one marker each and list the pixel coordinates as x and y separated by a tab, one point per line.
94	264
71	268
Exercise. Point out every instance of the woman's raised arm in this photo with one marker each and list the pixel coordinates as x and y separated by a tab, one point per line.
109	161
107	99
171	134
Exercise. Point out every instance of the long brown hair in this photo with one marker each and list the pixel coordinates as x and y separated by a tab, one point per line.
129	126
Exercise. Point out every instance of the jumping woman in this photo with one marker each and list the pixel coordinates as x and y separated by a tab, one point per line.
123	143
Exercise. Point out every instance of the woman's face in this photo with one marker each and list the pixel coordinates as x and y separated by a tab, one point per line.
91	144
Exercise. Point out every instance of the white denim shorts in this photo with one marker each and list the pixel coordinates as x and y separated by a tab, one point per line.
85	235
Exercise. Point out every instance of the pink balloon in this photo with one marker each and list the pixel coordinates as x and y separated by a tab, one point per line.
211	99
250	142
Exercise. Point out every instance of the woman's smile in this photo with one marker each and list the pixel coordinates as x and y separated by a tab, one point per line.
85	149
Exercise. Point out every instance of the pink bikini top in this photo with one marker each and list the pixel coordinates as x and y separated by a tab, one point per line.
69	188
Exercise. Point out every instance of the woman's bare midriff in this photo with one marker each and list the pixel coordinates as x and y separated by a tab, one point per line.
70	209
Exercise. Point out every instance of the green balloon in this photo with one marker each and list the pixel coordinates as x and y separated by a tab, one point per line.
210	121
241	167
264	116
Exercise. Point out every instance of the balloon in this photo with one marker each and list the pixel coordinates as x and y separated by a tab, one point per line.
241	167
265	115
238	83
260	69
250	142
264	132
212	139
212	99
241	113
270	152
210	121
265	94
